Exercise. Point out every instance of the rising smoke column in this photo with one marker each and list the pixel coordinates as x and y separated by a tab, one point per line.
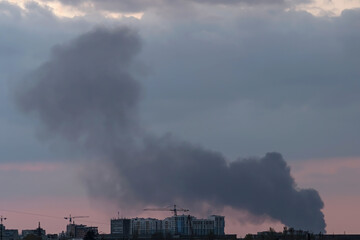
85	94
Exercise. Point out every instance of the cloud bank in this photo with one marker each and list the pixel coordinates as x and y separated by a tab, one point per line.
86	95
142	5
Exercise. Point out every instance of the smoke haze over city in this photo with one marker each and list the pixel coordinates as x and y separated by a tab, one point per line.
211	105
93	104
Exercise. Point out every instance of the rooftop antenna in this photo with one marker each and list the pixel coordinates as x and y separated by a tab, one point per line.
39	230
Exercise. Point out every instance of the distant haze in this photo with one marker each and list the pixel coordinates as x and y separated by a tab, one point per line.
86	95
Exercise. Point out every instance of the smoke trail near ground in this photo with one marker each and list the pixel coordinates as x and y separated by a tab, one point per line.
86	95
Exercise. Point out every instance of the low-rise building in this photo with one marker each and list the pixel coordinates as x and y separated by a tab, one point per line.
8	234
52	237
37	232
79	230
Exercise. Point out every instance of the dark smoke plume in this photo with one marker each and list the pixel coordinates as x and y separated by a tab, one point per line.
85	93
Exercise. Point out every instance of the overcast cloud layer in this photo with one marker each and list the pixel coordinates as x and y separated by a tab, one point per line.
257	78
260	79
240	82
143	5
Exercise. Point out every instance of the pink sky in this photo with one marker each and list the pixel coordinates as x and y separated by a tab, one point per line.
54	189
337	181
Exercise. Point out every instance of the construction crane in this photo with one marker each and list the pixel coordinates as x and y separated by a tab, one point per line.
2	218
71	218
174	210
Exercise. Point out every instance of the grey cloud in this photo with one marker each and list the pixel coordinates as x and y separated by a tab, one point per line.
86	94
258	79
142	5
41	30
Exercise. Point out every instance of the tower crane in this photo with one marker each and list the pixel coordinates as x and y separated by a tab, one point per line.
71	218
2	218
175	210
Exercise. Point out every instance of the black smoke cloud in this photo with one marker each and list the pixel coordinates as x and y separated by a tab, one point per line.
86	95
85	92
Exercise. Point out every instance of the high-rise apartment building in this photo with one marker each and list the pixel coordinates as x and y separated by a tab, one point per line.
185	225
120	226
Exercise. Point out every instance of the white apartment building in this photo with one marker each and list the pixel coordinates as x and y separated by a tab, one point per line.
185	225
145	226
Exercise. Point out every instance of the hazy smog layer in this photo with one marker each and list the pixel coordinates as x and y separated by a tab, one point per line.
85	94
